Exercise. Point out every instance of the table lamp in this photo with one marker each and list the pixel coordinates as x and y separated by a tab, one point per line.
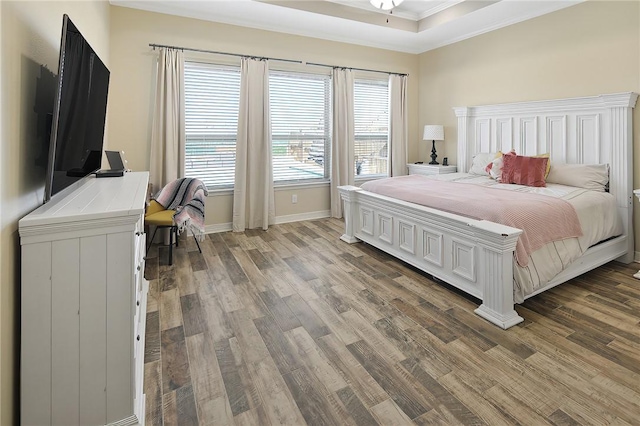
433	132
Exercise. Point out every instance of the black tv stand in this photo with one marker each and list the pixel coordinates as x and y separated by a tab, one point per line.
109	173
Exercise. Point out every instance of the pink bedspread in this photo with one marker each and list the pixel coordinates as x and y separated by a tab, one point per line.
542	219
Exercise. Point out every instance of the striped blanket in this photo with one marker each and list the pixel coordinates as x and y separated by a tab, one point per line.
185	196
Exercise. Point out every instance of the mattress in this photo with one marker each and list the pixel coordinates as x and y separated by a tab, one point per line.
598	218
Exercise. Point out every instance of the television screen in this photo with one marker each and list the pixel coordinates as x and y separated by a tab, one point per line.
79	112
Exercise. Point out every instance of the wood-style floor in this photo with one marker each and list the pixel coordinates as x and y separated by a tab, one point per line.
293	326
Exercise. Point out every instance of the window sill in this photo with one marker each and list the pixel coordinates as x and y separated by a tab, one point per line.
276	187
302	185
219	192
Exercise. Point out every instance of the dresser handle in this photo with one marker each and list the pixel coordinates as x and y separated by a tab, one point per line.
138	303
138	268
138	233
138	338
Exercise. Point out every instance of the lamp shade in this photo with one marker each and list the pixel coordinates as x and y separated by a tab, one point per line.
433	132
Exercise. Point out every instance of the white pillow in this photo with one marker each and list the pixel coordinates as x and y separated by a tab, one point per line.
496	169
480	162
594	177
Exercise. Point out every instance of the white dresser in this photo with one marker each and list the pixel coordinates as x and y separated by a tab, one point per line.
430	169
84	305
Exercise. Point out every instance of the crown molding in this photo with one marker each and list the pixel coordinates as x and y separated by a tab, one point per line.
614	100
270	17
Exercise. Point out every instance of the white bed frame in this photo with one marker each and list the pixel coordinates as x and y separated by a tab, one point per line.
476	256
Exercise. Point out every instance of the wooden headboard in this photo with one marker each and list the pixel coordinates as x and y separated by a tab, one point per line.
589	130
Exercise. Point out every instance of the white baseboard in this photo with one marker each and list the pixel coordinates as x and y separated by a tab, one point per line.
636	256
224	227
218	227
303	216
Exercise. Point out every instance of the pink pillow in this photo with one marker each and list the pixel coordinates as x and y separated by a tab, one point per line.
494	169
523	170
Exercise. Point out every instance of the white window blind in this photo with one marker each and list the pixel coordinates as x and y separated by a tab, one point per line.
212	96
371	124
300	126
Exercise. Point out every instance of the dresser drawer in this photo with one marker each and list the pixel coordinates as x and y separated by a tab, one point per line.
140	247
138	361
140	321
138	309
140	261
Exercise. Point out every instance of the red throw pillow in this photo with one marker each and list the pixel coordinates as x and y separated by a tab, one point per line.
523	170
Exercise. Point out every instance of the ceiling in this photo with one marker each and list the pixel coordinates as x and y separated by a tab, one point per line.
415	26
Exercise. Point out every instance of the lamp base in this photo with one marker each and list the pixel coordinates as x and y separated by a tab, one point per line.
433	153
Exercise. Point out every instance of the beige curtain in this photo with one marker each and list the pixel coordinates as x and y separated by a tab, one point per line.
253	199
398	124
167	133
342	157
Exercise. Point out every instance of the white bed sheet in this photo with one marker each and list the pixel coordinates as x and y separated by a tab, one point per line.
598	218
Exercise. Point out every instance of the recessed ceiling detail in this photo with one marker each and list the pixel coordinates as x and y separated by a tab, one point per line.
414	26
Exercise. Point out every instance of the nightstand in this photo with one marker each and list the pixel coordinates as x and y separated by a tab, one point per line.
429	169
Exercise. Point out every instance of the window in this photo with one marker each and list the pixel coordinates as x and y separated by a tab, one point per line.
371	124
300	107
300	126
212	96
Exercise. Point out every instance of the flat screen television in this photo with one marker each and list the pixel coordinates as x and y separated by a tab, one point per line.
80	106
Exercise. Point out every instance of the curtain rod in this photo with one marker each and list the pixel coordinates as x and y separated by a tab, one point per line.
272	59
357	69
222	53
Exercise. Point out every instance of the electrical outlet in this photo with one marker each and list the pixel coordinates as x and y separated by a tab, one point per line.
294	198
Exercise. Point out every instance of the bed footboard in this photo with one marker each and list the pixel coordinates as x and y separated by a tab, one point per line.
475	256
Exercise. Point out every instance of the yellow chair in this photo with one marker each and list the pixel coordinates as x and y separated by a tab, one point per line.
160	217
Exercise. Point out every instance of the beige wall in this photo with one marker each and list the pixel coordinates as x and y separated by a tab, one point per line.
133	74
589	49
30	40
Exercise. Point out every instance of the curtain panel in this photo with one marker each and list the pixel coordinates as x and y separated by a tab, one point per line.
168	131
342	137
253	197
398	124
